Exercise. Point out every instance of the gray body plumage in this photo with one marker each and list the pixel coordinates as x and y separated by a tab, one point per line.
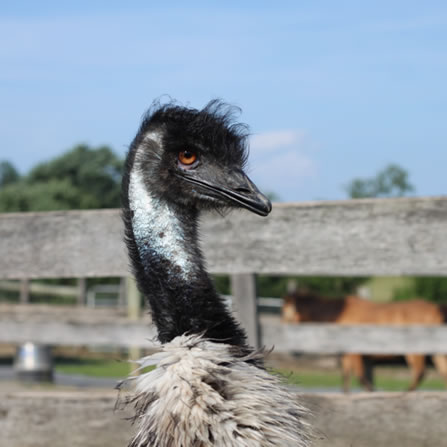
203	395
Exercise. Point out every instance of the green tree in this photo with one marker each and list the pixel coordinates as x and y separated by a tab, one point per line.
391	181
273	196
433	288
82	178
8	173
430	288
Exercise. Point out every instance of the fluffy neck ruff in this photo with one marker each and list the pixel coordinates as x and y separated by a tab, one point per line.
204	394
168	265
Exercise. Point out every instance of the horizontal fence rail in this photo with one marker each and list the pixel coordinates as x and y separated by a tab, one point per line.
404	236
87	419
303	338
65	325
73	326
357	237
366	339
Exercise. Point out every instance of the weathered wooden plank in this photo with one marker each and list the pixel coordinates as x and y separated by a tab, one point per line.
243	288
76	326
133	299
379	419
82	291
83	419
62	244
366	339
122	295
73	326
124	334
24	291
357	237
87	419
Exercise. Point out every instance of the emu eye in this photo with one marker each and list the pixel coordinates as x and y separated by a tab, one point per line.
187	158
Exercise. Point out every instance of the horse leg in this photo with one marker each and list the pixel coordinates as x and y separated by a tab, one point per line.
368	374
356	364
416	362
440	361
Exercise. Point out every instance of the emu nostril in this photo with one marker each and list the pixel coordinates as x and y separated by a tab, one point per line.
243	190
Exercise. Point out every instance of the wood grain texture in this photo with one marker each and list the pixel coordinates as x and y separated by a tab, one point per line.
75	326
366	339
245	306
58	419
356	237
62	244
379	419
87	419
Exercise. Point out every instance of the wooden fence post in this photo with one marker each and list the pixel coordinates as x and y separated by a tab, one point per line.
243	290
133	313
122	292
82	291
24	291
133	299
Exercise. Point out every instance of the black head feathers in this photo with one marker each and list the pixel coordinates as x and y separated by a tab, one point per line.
212	130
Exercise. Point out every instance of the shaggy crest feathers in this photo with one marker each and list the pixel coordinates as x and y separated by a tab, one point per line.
202	395
215	124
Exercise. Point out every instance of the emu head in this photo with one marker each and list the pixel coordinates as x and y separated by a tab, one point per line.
196	158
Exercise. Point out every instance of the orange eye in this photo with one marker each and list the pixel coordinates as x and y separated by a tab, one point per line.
187	157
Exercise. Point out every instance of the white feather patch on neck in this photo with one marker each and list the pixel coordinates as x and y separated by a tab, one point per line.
201	394
155	225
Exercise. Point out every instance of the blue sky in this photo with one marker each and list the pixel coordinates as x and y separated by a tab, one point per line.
330	90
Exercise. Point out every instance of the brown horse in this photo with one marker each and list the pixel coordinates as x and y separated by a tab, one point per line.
307	307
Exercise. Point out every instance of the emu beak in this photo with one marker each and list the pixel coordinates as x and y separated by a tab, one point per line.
234	187
244	193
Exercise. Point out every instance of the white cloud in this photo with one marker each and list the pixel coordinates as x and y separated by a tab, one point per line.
268	141
292	176
287	166
283	162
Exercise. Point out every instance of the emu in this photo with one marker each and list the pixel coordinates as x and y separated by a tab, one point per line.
210	388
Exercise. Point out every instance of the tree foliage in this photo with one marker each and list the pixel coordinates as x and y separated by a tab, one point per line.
391	181
276	286
331	286
82	178
431	288
8	173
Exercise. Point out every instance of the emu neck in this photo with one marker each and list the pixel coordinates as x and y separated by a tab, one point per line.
170	271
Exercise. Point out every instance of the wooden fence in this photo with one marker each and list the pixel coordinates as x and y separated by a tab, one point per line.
87	419
362	237
356	237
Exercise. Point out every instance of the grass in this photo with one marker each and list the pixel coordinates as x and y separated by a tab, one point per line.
96	368
312	379
386	379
